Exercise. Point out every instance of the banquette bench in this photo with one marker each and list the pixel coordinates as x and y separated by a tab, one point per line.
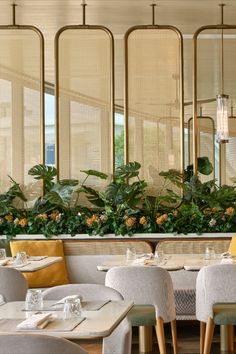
83	256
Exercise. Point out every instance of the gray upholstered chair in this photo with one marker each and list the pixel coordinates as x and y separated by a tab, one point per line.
26	343
13	285
147	286
119	342
215	288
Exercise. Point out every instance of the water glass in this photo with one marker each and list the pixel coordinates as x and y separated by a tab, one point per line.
130	254
77	309
159	256
72	308
21	258
2	253
210	253
34	300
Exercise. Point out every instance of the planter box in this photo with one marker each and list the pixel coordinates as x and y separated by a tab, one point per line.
151	237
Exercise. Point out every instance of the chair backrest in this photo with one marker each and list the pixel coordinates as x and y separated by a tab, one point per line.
13	286
89	292
83	256
145	285
37	343
192	246
215	283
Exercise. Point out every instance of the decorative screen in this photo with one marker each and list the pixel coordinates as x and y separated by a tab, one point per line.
154	101
21	106
85	102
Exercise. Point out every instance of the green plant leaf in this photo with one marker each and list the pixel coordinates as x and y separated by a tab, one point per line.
69	182
95	173
93	196
60	195
16	191
128	171
42	206
43	172
204	166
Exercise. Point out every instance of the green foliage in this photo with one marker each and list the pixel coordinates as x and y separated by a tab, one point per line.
119	148
123	206
45	173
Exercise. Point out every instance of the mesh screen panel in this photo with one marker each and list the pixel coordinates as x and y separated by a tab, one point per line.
154	102
228	156
20	74
85	114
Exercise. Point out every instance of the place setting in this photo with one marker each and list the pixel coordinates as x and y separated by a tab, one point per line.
40	316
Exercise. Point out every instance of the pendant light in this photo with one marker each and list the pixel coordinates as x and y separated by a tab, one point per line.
222	130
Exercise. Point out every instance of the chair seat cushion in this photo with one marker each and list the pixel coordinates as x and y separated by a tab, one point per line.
53	275
142	315
225	318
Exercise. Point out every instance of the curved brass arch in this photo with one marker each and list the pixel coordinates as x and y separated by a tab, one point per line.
56	53
195	126
179	34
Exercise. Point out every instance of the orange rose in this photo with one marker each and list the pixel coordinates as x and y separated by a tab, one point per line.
54	215
90	221
129	222
9	217
42	216
229	211
23	222
161	219
143	220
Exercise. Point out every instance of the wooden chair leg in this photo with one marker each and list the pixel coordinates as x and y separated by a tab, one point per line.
160	335
230	329
174	336
209	335
145	339
202	336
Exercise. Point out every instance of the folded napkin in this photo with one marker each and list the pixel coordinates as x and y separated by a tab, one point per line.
37	321
63	300
3	261
226	261
139	261
146	255
37	258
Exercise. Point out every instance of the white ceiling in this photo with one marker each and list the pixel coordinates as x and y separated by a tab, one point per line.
118	16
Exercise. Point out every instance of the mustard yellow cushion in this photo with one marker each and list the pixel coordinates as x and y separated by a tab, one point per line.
55	274
232	246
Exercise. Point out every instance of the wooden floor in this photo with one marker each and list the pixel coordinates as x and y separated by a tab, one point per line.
188	341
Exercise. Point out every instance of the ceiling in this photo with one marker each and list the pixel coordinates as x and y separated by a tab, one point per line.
118	16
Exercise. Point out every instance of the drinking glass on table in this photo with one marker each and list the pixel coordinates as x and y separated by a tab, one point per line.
21	258
210	253
159	256
72	308
2	253
34	300
130	254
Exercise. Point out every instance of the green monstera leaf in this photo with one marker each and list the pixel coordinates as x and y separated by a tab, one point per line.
60	195
44	173
95	173
128	171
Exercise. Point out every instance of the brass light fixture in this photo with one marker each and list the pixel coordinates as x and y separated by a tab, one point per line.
222	129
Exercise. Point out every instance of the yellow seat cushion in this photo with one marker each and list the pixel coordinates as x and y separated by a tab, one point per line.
55	274
232	246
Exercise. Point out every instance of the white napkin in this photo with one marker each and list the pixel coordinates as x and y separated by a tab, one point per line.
73	297
139	261
37	321
3	261
226	261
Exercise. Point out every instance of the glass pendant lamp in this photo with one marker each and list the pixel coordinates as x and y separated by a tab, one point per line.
222	99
